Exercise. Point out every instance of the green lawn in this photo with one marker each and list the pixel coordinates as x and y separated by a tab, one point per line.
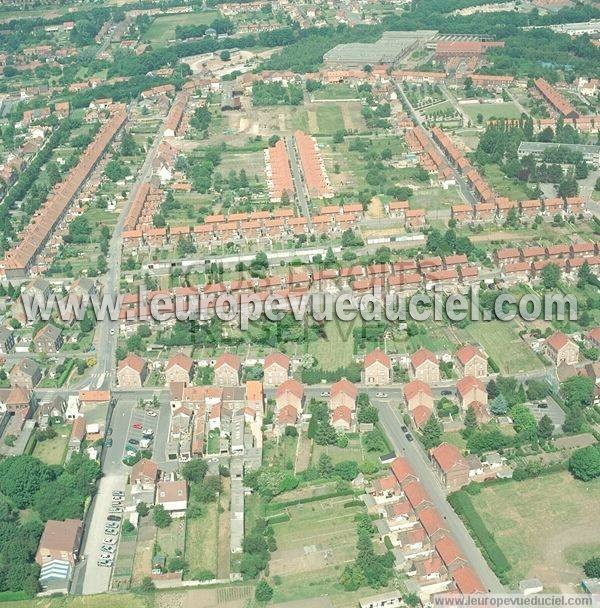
503	344
201	540
492	110
336	91
433	199
119	600
544	527
52	451
329	119
505	186
337	349
163	27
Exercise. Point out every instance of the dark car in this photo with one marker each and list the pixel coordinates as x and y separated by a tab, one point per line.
114	518
409	437
404	428
543	405
108	443
109	431
446	392
133	441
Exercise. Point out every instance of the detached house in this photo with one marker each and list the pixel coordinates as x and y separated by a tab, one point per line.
561	349
48	339
60	541
424	366
143	476
26	373
450	465
471	361
179	369
172	495
227	370
377	368
291	393
343	393
132	372
472	393
276	369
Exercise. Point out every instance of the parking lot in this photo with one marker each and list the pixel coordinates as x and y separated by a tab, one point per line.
553	411
140	421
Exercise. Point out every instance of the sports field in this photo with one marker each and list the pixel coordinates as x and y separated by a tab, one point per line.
163	28
491	110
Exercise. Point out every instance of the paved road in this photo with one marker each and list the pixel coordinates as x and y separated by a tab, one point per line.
391	420
465	191
297	176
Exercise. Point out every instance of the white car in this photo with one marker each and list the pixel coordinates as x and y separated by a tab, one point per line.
105	556
105	563
107	549
152	413
118	499
148	432
381	395
109	541
117	509
325	394
111	532
112	331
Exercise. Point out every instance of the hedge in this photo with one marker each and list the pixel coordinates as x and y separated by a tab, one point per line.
461	503
279	519
276	506
353	503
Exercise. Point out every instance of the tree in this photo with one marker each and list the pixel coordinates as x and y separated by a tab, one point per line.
263	592
142	509
162	519
550	276
470	421
225	55
325	465
578	391
592	567
498	406
432	432
545	428
21	477
584	463
194	471
524	421
347	469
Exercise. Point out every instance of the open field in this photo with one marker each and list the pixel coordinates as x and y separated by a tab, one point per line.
353	451
121	600
336	91
491	110
329	119
163	28
336	350
503	344
543	526
434	199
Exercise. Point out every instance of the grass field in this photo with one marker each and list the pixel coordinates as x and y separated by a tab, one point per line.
503	185
433	199
336	91
337	349
52	451
201	541
353	451
121	600
503	344
491	110
544	527
163	28
329	119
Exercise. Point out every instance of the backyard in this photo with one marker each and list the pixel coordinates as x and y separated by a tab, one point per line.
52	451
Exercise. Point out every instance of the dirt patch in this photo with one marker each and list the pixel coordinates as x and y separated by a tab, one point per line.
375	208
302	454
224	554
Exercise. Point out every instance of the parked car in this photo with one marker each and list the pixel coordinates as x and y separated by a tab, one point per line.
105	556
116	509
381	395
109	541
133	441
108	443
137	425
107	548
148	433
111	524
152	413
109	431
404	428
543	405
111	532
446	393
325	394
105	563
114	518
409	437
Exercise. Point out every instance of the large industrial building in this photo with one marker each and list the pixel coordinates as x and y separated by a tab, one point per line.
390	48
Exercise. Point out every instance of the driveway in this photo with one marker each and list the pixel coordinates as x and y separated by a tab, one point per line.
553	411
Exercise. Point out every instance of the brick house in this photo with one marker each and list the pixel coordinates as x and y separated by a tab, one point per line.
60	540
377	368
48	339
179	369
417	393
450	466
472	393
471	361
561	349
26	373
227	370
343	393
424	366
132	372
143	476
276	369
593	337
172	495
291	392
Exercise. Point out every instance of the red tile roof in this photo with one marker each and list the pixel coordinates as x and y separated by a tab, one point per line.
446	455
421	356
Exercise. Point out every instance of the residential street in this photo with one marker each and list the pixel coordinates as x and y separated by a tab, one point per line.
413	452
